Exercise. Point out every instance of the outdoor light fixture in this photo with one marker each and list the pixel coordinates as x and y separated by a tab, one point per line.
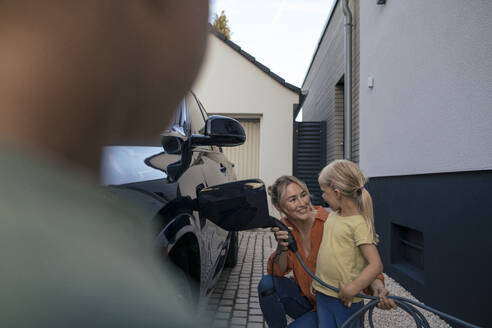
381	2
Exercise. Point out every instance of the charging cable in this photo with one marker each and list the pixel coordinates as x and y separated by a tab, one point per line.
405	304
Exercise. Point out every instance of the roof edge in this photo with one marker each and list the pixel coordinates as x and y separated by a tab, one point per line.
330	16
253	60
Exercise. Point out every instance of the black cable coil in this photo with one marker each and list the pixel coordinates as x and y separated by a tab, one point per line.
405	304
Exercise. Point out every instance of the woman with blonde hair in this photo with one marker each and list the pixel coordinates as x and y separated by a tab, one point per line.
348	257
280	296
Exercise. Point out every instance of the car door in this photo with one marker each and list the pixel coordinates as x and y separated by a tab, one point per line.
216	170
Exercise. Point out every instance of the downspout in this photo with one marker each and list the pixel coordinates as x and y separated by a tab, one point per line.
347	99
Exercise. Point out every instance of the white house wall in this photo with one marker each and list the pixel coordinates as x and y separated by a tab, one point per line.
230	84
431	106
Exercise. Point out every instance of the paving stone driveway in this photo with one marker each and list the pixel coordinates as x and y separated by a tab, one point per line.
234	302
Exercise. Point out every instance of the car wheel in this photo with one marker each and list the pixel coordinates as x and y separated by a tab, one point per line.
231	259
184	257
187	290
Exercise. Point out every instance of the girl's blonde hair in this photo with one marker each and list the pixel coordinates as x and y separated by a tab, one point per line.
277	189
346	176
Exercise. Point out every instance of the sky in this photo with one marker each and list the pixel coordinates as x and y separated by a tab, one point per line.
280	34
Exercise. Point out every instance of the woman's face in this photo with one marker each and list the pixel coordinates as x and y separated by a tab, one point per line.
295	203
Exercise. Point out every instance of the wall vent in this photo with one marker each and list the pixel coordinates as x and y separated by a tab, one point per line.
407	251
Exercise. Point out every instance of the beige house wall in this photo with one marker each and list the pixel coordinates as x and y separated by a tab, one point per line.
230	84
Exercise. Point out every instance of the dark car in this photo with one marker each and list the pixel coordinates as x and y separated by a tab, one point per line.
165	181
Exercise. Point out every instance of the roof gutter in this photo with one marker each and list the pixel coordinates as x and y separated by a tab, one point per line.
347	101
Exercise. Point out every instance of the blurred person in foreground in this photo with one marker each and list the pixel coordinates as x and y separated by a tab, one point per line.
74	76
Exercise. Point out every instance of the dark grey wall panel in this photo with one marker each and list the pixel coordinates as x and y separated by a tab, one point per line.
449	216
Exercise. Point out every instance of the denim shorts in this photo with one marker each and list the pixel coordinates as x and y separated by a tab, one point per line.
332	312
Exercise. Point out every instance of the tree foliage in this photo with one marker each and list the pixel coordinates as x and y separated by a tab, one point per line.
221	24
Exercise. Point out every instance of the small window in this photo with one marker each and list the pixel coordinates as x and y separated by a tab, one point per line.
407	251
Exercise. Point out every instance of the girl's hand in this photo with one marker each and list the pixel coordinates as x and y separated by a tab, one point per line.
346	293
281	237
384	302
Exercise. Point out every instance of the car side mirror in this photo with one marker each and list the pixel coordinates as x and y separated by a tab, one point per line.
220	131
172	139
235	206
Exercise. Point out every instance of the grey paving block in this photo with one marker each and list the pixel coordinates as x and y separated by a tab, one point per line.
255	312
226	302
254	305
238	321
239	314
254	325
241	300
255	318
241	306
227	309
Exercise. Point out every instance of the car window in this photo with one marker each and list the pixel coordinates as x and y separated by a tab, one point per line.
196	115
204	112
178	116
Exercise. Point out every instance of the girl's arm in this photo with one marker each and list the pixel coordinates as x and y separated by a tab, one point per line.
379	290
365	278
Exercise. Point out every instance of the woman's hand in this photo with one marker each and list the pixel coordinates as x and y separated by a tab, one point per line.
281	237
379	290
346	293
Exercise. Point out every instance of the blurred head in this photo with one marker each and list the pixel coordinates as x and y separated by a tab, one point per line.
85	73
343	179
290	196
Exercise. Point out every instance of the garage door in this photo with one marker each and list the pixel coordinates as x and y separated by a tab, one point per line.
246	158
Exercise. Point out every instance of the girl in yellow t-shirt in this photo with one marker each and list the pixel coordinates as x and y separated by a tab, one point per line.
347	257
